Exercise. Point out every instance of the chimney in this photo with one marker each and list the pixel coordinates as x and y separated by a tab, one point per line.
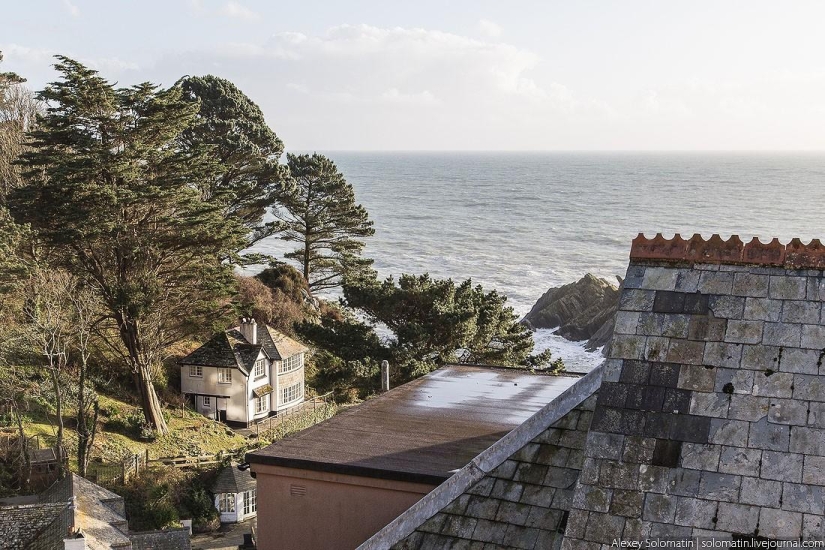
75	541
385	375
249	329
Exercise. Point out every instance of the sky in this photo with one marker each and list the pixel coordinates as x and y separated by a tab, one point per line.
465	74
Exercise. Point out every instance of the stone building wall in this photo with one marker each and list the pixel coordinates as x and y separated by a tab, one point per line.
169	539
711	415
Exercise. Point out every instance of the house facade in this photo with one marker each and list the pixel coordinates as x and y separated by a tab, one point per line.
245	374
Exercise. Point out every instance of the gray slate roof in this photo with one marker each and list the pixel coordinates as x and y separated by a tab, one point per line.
75	502
278	345
232	480
230	349
515	494
32	525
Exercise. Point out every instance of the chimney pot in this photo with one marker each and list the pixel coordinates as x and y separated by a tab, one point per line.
249	329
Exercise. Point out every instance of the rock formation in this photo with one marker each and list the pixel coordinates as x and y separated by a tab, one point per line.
583	310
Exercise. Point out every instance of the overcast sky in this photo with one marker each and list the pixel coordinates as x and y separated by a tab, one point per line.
465	74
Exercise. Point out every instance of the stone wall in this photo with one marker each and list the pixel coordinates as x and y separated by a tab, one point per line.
169	539
523	503
711	414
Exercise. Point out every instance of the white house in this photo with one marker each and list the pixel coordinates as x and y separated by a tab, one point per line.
245	374
236	495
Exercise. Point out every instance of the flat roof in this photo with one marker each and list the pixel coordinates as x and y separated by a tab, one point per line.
422	431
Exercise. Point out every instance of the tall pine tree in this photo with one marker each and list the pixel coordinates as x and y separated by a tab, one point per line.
245	150
108	188
319	213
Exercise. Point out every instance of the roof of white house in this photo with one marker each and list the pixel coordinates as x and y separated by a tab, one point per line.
231	349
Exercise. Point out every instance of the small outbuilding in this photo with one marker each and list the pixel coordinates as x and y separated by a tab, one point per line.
236	494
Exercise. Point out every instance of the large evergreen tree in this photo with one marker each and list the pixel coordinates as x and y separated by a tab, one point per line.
110	191
319	213
432	318
245	150
433	322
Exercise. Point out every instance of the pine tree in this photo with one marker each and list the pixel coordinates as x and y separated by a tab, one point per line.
433	318
246	151
110	192
430	321
319	213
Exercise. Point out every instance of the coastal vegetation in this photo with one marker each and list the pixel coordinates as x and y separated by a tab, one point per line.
126	219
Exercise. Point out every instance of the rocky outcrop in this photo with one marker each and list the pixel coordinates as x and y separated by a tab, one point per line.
583	310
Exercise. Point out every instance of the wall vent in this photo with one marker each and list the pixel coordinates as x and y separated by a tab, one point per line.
297	490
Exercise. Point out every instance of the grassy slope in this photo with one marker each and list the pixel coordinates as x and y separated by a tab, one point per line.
190	434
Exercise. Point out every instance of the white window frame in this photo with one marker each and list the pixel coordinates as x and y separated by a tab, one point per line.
224	376
260	365
206	401
250	502
195	371
291	363
262	404
295	391
226	503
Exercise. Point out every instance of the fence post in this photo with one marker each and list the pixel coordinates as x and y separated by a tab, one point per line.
147	456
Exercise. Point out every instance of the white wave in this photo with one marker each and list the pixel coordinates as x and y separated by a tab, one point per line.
575	357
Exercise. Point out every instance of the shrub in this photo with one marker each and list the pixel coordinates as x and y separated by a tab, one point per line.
162	495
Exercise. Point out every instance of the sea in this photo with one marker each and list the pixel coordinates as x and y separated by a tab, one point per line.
521	223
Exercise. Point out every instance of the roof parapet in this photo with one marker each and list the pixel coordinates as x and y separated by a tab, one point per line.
794	255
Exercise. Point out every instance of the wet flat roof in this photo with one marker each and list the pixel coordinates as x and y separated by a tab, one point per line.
422	431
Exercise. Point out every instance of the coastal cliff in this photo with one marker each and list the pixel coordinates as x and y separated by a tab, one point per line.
583	310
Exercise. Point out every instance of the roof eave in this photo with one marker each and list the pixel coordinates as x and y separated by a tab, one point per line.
346	469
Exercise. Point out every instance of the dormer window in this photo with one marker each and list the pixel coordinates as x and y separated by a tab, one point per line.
260	369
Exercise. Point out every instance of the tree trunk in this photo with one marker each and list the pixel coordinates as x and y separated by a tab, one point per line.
26	467
86	440
58	405
142	373
306	263
152	411
82	426
85	435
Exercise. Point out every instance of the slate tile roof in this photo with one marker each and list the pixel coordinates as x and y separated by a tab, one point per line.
515	494
708	420
77	503
230	349
232	480
33	526
278	346
222	350
523	503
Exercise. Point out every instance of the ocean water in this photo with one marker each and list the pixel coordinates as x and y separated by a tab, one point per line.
524	222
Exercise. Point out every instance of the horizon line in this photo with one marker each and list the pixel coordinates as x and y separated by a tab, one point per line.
704	151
